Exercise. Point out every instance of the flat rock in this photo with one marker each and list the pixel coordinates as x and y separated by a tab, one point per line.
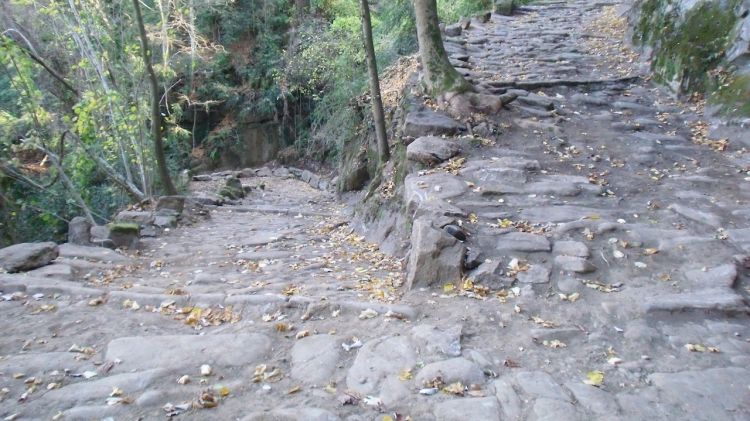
428	122
99	254
713	299
723	276
314	359
191	351
714	393
541	385
451	370
93	390
536	274
485	409
508	398
562	213
593	399
431	150
547	409
523	241
377	360
571	248
293	414
574	264
55	270
696	215
434	341
27	256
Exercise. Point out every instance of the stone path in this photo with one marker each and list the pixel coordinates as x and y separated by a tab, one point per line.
606	272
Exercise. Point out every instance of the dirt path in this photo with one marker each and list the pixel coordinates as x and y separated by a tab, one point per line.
609	266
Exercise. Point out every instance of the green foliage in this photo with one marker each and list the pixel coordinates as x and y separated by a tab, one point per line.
450	11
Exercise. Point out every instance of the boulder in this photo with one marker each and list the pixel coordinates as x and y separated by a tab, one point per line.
504	7
488	273
124	234
135	217
170	204
431	150
574	264
435	257
453	30
428	122
451	370
466	104
79	231
232	189
27	256
433	341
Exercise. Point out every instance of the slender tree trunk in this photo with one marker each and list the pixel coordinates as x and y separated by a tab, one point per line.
68	183
376	100
439	74
156	120
113	175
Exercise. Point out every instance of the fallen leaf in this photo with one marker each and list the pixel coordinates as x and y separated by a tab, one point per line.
570	297
544	323
96	301
594	378
554	344
650	251
456	388
283	327
406	375
368	314
293	390
302	334
206	399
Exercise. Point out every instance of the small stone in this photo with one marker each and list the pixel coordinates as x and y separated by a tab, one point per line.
451	371
574	264
485	409
571	248
205	370
536	274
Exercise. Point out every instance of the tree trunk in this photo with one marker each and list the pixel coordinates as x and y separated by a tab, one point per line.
156	120
376	100
439	75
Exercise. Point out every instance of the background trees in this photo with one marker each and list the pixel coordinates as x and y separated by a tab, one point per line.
73	70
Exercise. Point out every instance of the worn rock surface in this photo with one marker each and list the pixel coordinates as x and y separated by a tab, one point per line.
619	237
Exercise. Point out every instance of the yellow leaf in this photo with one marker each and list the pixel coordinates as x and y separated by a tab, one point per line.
473	218
505	223
194	317
594	378
554	344
448	288
406	375
293	390
456	388
223	391
695	347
